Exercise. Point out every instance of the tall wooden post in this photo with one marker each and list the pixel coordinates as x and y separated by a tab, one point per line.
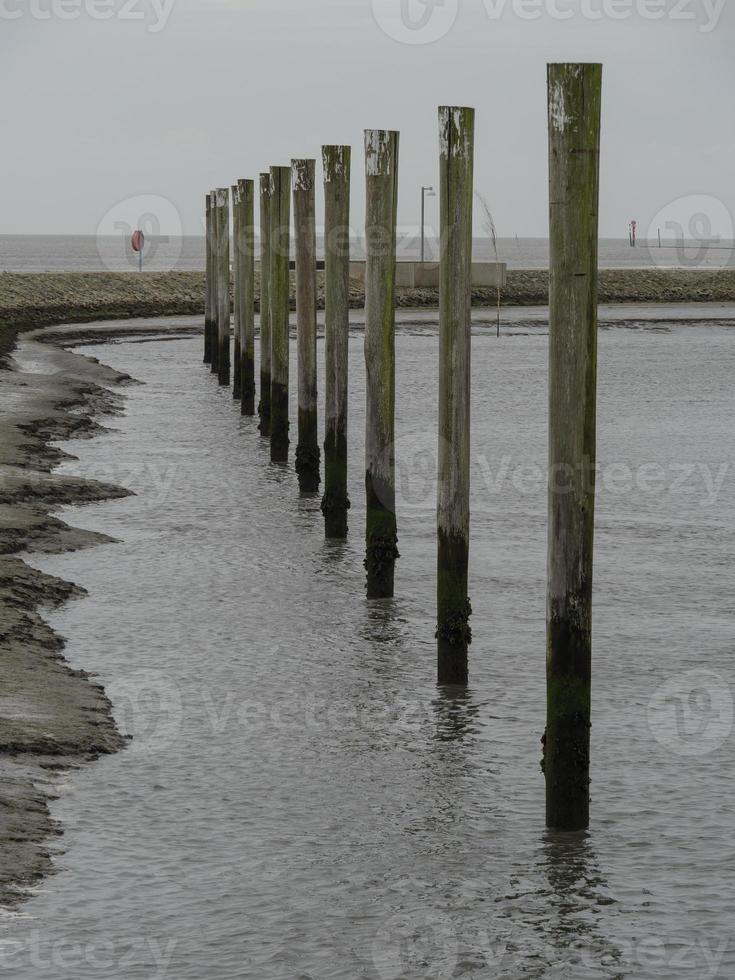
574	96
335	502
247	297
208	280
307	449
236	288
214	250
381	179
223	286
264	408
456	140
280	217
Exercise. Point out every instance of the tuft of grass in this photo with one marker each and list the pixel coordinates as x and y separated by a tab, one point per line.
489	225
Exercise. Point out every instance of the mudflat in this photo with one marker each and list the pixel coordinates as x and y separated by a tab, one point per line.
52	717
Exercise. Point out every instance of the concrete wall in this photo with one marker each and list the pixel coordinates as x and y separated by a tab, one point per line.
417	275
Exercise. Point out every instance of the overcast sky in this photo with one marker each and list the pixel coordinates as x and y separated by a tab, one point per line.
163	99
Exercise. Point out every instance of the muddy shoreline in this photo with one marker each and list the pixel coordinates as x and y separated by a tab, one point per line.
52	717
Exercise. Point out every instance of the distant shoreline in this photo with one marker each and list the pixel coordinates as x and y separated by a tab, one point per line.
31	300
111	253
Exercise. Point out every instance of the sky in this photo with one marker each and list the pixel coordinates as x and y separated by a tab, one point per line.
116	108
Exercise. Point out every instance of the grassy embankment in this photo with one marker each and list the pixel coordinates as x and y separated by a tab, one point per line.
38	299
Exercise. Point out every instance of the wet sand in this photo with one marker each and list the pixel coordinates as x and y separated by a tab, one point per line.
52	717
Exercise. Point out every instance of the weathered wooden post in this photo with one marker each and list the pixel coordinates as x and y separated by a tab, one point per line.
574	98
264	408
307	449
280	218
223	286
381	180
456	140
247	297
335	502
214	250
208	280
236	288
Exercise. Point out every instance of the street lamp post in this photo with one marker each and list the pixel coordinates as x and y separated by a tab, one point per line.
424	192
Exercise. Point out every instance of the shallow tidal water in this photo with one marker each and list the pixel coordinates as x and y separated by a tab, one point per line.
300	801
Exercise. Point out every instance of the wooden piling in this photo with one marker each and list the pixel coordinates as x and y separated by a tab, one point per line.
456	140
307	448
247	297
335	502
223	286
574	97
214	252
208	280
236	289
381	178
280	223
264	407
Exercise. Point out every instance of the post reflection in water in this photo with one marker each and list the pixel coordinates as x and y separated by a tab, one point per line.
385	622
578	888
455	714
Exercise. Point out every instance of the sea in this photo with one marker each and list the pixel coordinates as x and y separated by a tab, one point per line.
299	800
87	253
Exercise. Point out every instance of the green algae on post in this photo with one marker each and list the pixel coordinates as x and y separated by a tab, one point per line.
214	335
381	538
236	287
223	286
208	304
247	297
335	502
307	448
574	100
280	226
453	634
264	407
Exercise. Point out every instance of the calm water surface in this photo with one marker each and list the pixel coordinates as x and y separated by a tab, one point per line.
300	800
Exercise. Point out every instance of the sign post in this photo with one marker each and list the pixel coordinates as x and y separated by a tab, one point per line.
137	242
